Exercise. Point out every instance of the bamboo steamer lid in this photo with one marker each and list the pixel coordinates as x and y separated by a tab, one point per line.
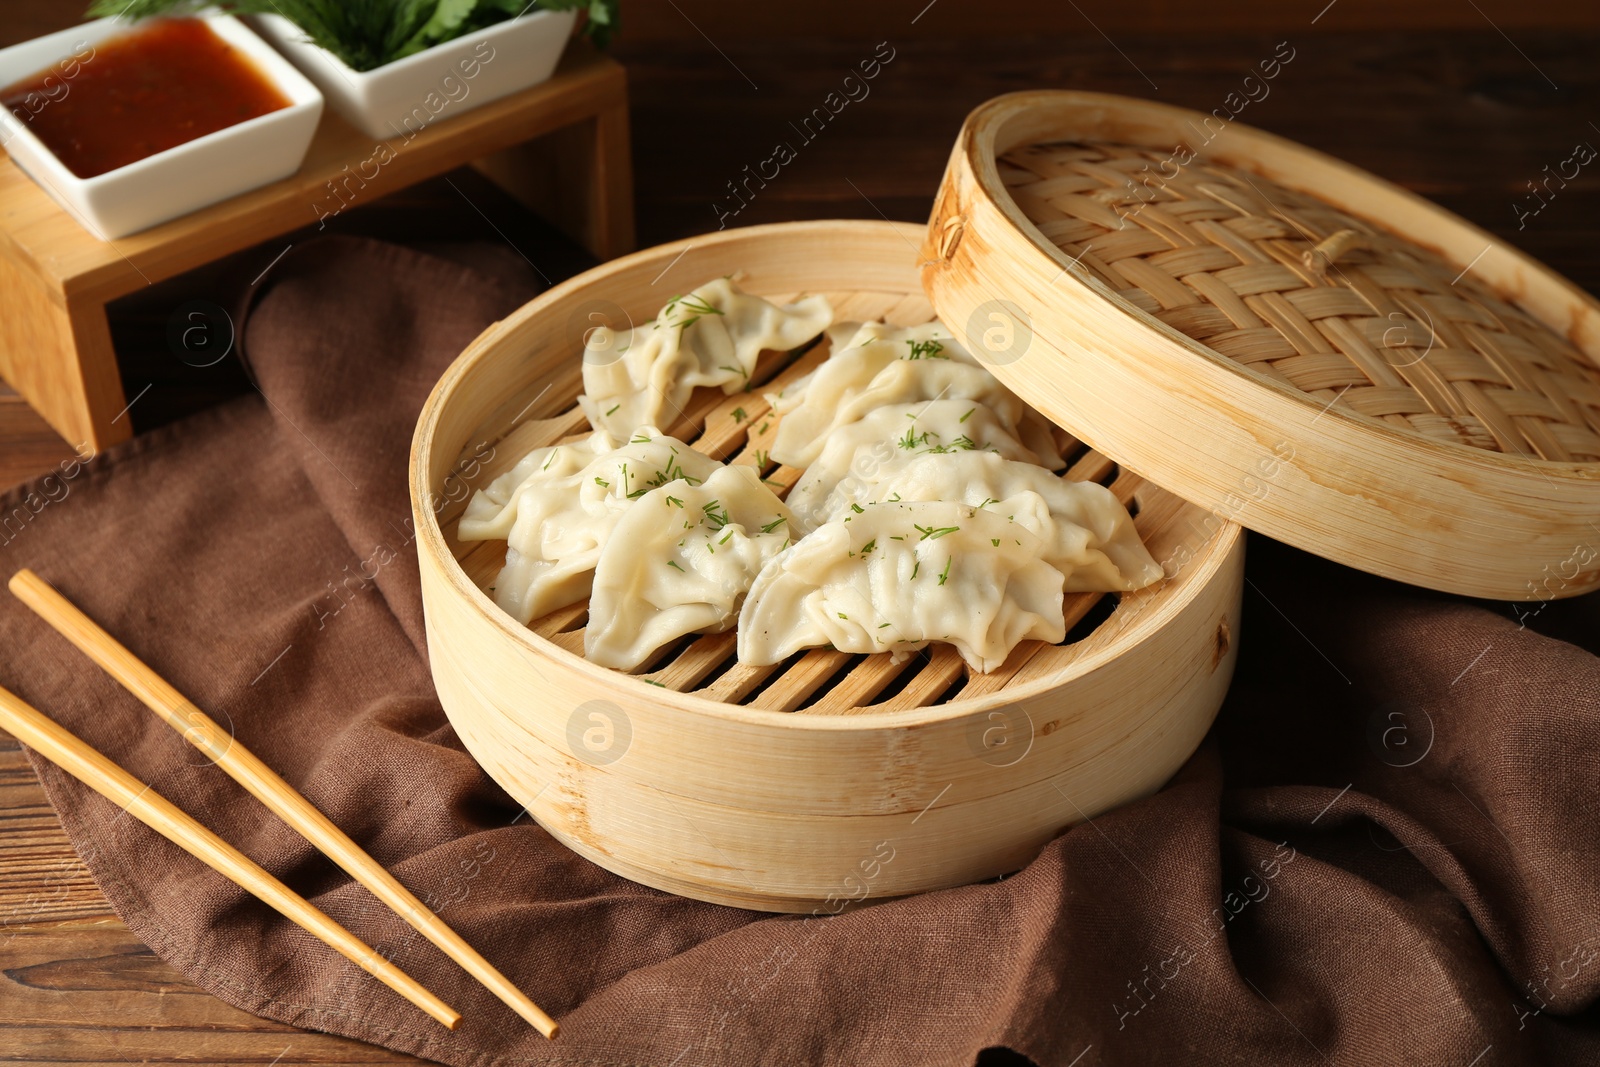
1279	337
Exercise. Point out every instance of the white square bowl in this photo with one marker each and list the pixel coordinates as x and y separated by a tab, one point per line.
180	179
398	99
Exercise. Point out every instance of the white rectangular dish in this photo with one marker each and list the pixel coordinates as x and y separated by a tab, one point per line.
399	99
181	179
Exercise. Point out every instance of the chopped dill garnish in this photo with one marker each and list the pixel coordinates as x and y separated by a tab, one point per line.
613	410
925	350
652	681
995	541
549	461
674	502
881	625
674	472
869	546
858	509
726	538
967	415
916	565
895	499
933	533
946	572
843	616
715	513
674	563
774	524
694	308
601	482
641	438
739	416
897	537
987	501
761	459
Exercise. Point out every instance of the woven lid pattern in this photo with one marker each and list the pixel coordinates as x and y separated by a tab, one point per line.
1297	290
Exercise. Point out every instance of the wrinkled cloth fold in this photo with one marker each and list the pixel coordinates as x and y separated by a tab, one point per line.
1386	851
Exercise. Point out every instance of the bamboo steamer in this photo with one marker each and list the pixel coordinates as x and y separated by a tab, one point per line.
1280	338
831	777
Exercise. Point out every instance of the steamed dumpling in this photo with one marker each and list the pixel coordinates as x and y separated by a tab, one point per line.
1092	540
899	575
490	514
556	519
860	448
711	337
680	562
883	365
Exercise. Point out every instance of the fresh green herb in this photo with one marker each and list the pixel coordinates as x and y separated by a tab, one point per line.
674	563
613	410
641	438
762	432
897	537
652	681
895	499
946	572
694	309
739	416
673	473
726	538
926	350
967	415
881	625
368	34
987	501
843	616
716	513
858	509
774	483
995	541
916	565
674	502
869	546
761	460
601	482
549	461
933	533
774	524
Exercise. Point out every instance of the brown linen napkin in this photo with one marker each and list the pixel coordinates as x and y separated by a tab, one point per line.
1386	852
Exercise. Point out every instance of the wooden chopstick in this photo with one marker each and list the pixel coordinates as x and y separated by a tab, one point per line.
73	755
264	784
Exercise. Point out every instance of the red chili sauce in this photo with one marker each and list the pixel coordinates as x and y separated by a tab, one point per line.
127	97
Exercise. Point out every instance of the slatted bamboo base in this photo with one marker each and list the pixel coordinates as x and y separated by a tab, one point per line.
774	787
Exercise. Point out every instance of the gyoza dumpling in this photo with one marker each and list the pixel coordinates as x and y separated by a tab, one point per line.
711	336
555	524
489	515
899	575
680	562
884	365
1093	543
861	447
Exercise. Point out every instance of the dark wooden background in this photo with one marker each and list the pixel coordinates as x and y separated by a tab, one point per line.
1464	101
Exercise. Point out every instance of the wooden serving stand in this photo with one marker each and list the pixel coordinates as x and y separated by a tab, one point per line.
560	147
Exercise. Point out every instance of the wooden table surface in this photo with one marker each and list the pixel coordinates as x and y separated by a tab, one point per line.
1467	117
